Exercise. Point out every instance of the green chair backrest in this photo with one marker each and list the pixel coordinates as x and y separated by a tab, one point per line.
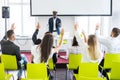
88	69
74	60
10	62
37	71
109	58
115	71
51	64
2	73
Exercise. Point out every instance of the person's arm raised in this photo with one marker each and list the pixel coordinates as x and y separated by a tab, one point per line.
34	36
38	26
61	41
13	26
85	38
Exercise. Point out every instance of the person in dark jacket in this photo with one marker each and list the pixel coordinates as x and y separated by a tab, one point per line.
54	23
10	48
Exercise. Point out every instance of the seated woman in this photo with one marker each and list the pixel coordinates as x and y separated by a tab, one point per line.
45	50
89	49
35	54
75	48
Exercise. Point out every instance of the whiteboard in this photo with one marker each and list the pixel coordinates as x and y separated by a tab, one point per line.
71	7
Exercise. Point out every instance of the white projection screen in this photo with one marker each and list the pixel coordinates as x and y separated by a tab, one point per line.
71	7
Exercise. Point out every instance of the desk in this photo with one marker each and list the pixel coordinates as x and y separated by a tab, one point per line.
61	62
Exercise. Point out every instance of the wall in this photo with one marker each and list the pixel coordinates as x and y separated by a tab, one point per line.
115	18
2	26
67	24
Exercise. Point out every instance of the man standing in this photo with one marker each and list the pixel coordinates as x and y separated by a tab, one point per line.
54	23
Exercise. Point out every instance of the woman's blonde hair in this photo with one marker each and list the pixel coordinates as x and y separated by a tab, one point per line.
93	47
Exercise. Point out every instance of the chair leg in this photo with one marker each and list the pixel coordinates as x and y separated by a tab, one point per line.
13	77
55	75
66	74
24	74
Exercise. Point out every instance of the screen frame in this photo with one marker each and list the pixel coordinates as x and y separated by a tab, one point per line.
74	14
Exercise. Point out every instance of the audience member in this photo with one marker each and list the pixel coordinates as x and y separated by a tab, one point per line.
34	52
89	48
45	50
8	47
75	49
112	44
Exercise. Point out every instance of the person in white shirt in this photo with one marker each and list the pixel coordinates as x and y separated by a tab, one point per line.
75	48
45	50
112	43
35	58
89	49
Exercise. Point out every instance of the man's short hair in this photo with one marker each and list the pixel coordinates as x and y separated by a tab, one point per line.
10	33
55	12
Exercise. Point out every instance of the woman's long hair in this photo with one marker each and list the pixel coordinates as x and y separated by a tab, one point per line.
45	47
93	47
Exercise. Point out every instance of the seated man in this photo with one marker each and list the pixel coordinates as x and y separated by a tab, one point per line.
8	47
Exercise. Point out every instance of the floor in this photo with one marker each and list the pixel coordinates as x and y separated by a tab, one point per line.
60	74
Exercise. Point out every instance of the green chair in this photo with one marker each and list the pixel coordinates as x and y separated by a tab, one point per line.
52	66
87	69
109	58
36	72
115	71
3	75
10	62
74	61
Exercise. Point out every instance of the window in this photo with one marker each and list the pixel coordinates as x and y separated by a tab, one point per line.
20	15
88	24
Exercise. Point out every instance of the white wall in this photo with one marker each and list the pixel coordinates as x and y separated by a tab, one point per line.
115	18
67	23
2	26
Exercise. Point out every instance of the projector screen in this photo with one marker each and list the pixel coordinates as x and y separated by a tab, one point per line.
71	7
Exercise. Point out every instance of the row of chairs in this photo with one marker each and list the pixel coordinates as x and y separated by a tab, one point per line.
34	71
111	61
